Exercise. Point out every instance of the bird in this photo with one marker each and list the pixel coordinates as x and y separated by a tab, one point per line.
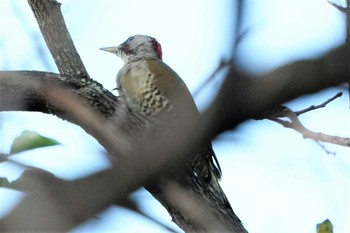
156	92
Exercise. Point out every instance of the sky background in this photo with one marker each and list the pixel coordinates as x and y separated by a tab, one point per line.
275	180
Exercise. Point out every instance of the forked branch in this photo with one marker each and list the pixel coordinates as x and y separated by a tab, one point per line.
294	123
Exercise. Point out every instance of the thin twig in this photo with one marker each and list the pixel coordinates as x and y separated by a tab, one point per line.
294	123
324	104
238	26
237	39
222	64
340	8
325	149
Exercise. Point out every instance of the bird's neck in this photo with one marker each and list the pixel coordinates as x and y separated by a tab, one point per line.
142	53
138	58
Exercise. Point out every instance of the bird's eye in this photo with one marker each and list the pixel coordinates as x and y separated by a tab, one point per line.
129	39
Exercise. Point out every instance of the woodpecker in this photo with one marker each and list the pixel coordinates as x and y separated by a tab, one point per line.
155	91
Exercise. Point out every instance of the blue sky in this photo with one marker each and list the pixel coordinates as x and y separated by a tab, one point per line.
275	180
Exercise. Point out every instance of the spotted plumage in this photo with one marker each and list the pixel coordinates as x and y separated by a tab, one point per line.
139	86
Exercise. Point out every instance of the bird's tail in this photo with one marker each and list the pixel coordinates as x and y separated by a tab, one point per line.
206	173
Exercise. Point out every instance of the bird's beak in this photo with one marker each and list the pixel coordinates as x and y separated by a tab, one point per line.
111	49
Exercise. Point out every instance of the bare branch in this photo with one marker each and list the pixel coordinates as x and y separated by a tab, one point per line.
295	124
314	107
325	149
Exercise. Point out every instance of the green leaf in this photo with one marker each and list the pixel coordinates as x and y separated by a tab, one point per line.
31	140
325	227
4	182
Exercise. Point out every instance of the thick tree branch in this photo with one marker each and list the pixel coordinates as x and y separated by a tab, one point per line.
346	11
18	93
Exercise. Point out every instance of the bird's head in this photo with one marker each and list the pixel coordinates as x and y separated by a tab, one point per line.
137	47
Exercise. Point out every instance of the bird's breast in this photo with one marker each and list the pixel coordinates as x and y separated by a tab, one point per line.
138	82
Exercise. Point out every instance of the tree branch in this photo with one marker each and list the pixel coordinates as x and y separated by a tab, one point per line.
340	8
57	38
295	124
346	11
18	93
322	105
280	112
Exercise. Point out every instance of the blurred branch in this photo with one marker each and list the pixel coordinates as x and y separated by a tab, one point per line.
242	97
132	205
222	65
186	203
340	8
34	34
28	183
237	38
238	25
346	11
